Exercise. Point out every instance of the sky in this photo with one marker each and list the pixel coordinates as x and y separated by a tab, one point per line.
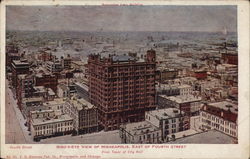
122	18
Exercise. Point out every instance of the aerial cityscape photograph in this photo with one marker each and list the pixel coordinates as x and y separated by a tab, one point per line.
106	74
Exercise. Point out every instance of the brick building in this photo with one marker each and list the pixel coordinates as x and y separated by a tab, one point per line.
12	53
24	89
166	74
229	58
47	80
45	56
84	115
189	104
18	67
200	74
122	87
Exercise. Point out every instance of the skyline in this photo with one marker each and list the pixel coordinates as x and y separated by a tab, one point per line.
118	18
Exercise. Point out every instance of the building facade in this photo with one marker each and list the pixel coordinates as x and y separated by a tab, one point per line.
122	87
190	104
18	67
221	116
84	114
46	123
24	89
47	80
170	121
140	133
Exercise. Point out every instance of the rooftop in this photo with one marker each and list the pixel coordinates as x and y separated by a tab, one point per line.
184	86
33	99
42	121
208	137
182	99
80	103
140	128
225	105
57	101
39	89
165	113
20	62
123	58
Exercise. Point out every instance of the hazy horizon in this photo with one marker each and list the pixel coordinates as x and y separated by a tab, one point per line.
122	18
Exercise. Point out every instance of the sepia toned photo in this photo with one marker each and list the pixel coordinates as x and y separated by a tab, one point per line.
124	80
171	76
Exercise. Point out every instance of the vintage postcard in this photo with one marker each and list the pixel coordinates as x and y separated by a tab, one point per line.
129	79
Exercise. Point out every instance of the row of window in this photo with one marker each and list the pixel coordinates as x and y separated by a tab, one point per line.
148	136
44	132
219	120
54	125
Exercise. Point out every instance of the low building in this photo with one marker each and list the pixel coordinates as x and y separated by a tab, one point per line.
190	104
221	116
47	80
79	65
84	114
54	67
46	123
170	121
203	84
56	104
66	90
66	62
168	90
185	89
29	104
40	91
200	74
229	58
140	132
166	74
172	90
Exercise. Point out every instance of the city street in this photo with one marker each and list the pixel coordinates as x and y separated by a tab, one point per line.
14	132
17	133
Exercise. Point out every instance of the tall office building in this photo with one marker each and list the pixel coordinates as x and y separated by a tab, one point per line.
122	87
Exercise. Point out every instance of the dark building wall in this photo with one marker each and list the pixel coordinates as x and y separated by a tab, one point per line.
48	81
229	58
18	69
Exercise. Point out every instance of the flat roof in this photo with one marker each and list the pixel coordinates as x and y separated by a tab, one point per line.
32	99
56	119
165	113
184	86
224	105
182	98
80	103
208	137
123	58
56	101
140	128
19	62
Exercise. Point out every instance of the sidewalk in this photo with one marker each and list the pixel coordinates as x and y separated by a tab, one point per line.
19	116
